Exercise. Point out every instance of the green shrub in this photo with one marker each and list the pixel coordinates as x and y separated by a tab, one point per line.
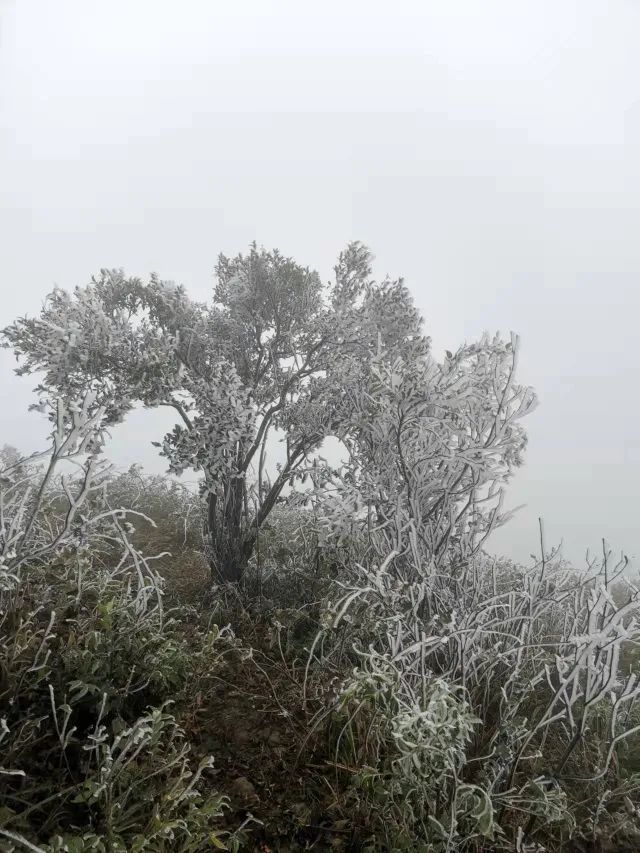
90	664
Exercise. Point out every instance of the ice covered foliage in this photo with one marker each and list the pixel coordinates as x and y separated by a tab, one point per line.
92	671
431	446
54	503
488	704
493	707
275	349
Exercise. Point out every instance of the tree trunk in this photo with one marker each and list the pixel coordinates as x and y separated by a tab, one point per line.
229	552
232	535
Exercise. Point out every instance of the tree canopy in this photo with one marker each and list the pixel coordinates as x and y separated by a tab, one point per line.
276	349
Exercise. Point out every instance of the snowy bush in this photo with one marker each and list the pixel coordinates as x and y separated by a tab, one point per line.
92	758
488	703
466	703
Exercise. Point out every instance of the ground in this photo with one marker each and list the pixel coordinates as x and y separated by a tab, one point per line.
255	726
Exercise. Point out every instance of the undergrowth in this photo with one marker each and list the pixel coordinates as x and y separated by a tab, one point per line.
351	693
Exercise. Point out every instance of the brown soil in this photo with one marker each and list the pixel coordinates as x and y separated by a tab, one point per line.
255	725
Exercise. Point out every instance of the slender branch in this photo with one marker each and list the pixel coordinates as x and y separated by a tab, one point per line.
174	404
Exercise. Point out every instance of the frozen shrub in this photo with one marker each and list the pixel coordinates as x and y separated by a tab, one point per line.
488	704
91	757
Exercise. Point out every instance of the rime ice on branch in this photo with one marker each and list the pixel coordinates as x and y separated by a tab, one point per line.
277	350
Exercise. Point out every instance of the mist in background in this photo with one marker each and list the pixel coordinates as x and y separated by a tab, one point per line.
489	153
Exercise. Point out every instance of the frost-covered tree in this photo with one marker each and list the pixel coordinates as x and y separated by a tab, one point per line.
432	444
274	350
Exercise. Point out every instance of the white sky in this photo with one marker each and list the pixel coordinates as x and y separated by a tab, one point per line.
488	152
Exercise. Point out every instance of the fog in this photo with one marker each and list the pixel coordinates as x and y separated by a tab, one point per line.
488	153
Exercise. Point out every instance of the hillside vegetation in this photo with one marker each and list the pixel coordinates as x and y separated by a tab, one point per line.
316	657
